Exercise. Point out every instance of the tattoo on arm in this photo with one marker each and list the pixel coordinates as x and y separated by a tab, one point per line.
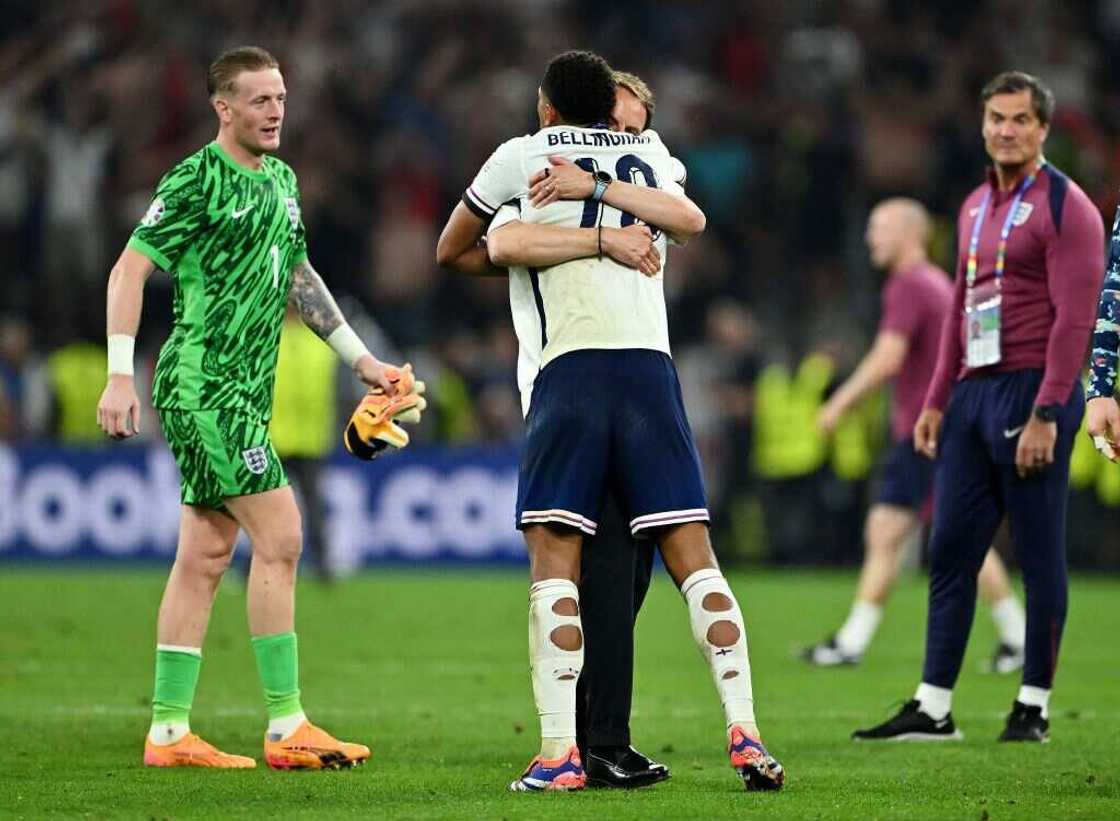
316	306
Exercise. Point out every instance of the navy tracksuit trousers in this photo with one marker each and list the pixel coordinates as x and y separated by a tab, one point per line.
615	573
976	484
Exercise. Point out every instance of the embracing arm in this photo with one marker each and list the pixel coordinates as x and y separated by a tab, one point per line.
674	214
459	247
542	246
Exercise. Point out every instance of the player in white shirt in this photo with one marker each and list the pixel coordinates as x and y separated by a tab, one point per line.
604	411
615	569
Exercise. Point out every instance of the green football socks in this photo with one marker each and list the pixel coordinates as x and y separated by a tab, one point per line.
278	665
176	676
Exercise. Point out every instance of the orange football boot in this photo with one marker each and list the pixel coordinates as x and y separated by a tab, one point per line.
758	769
192	751
310	748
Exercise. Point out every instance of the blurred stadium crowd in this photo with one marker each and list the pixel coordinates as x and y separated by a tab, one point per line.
792	117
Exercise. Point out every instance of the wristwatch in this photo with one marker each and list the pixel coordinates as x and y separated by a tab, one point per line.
602	180
1047	413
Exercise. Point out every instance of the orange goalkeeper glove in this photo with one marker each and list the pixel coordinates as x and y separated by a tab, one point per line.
373	426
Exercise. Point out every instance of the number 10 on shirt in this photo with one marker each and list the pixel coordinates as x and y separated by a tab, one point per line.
628	168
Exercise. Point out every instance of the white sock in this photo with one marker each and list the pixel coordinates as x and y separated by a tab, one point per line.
935	702
162	733
1011	621
555	670
281	728
730	665
1036	697
856	634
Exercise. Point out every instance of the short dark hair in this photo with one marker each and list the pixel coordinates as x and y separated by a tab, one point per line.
580	86
1012	82
224	70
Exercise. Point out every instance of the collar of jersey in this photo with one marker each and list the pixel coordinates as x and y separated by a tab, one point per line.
592	127
999	197
260	176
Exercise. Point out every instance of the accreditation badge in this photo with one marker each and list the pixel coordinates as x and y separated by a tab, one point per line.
982	321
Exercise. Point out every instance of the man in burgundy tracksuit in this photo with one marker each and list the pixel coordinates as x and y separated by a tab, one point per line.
1005	404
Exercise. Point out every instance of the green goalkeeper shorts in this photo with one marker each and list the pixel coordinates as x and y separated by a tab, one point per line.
221	453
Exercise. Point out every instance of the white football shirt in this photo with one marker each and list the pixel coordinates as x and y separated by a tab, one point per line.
586	303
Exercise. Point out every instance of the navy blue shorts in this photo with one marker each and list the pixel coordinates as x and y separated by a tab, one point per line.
604	421
906	478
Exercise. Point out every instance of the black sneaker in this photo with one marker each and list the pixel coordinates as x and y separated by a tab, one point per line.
1006	659
828	654
911	724
1025	723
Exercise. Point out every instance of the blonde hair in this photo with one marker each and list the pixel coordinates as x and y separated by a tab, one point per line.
224	70
637	86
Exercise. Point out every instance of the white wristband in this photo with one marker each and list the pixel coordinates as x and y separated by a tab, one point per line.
121	347
346	344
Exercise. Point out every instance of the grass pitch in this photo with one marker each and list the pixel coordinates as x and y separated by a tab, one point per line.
430	669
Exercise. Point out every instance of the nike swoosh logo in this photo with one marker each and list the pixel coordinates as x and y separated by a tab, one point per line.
239	214
1010	433
942	723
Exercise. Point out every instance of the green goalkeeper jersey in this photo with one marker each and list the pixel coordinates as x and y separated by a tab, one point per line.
229	236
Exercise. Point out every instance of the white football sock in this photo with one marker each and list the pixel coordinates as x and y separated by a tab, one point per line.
1011	621
1035	697
281	728
555	670
935	702
856	634
730	665
168	732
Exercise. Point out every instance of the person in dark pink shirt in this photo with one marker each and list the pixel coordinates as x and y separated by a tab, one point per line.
915	302
1005	404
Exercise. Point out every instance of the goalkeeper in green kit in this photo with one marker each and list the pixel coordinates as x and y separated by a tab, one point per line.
225	223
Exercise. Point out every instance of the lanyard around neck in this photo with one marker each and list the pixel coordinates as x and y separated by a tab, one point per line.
1005	232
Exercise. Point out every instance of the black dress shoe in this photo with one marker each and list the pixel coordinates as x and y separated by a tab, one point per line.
622	767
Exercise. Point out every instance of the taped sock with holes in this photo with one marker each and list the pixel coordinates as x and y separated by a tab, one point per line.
717	627
176	676
278	666
556	658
